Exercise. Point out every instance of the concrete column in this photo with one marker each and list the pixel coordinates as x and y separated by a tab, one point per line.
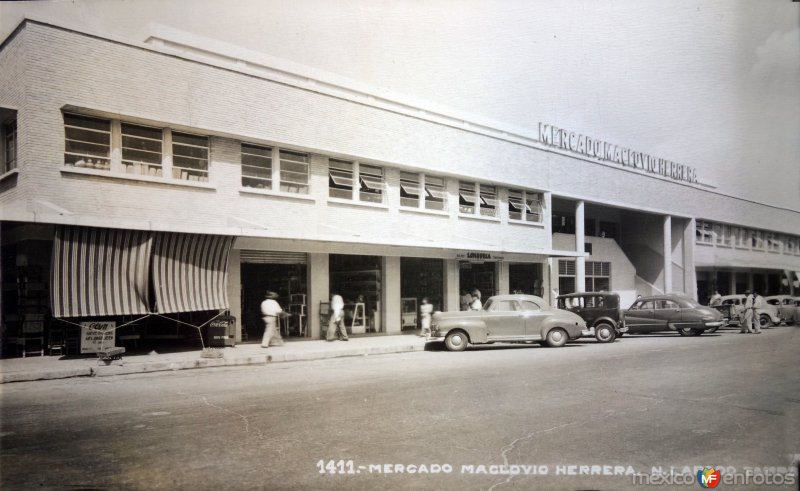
235	290
451	290
689	271
580	262
732	284
667	254
502	278
390	297
750	282
318	291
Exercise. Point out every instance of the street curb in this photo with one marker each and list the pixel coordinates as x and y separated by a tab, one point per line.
268	357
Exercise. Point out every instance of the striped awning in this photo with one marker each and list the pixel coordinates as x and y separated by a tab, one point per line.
190	272
99	271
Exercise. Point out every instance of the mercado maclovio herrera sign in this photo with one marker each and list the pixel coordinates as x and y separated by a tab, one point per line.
599	149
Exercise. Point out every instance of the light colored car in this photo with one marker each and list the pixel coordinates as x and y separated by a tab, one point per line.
507	319
786	305
671	313
767	316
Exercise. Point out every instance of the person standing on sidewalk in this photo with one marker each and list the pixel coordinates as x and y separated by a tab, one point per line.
425	311
758	304
746	324
336	325
270	310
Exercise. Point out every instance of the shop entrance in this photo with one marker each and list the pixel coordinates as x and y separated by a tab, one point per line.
525	278
358	280
419	278
478	275
289	281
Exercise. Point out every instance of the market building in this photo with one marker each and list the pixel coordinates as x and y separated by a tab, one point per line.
155	185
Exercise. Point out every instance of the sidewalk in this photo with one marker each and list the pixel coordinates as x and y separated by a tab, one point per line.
55	367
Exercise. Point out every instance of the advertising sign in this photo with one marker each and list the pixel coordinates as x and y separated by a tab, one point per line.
96	336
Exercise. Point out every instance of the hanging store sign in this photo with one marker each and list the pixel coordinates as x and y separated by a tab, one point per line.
475	256
97	336
575	142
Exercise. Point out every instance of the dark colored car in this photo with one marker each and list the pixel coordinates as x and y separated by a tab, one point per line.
507	319
671	313
600	310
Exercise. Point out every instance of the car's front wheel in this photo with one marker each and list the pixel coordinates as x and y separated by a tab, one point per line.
456	341
712	330
764	321
557	337
685	331
605	332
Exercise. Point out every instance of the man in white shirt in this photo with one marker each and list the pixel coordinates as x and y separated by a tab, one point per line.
270	310
748	314
758	304
336	323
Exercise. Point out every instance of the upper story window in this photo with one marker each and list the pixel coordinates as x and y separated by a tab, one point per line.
256	166
740	237
142	151
370	181
722	235
703	232
774	242
488	195
9	155
293	172
466	197
598	276
435	193
87	142
189	156
564	224
119	146
757	239
432	187
409	189
524	205
355	181
791	244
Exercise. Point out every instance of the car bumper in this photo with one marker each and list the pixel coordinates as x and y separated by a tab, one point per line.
588	332
714	324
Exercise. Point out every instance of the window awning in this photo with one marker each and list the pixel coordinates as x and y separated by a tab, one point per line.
515	207
409	190
342	182
435	193
98	271
190	272
466	200
369	187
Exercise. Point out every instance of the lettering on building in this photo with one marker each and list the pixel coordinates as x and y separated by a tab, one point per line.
602	150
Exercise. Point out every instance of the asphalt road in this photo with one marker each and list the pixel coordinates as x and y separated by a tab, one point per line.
500	417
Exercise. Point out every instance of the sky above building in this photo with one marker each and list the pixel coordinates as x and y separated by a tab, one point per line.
714	85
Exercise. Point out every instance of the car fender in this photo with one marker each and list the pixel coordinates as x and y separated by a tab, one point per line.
475	329
606	319
573	330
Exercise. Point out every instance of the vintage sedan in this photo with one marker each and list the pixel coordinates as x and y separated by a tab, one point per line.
507	319
786	305
767	316
600	310
671	313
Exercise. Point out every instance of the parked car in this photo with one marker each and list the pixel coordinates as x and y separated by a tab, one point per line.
767	316
507	319
786	305
671	313
600	310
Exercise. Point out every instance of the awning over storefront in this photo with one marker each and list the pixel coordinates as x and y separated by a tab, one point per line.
190	272
99	271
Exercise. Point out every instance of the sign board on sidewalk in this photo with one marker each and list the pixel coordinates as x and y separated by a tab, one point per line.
97	336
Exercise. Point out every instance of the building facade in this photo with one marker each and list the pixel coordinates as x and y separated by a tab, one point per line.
181	177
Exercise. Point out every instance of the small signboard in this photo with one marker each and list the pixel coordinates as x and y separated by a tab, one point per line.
97	336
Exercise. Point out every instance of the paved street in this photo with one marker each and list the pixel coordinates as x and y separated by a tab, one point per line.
499	417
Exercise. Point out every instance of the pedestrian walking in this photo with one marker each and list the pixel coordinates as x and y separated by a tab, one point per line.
746	324
270	311
336	327
758	304
425	311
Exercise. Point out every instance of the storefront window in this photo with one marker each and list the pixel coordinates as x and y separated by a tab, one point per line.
358	280
525	278
420	278
478	275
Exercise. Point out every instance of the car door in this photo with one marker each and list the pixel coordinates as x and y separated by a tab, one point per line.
666	313
533	315
504	320
640	317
